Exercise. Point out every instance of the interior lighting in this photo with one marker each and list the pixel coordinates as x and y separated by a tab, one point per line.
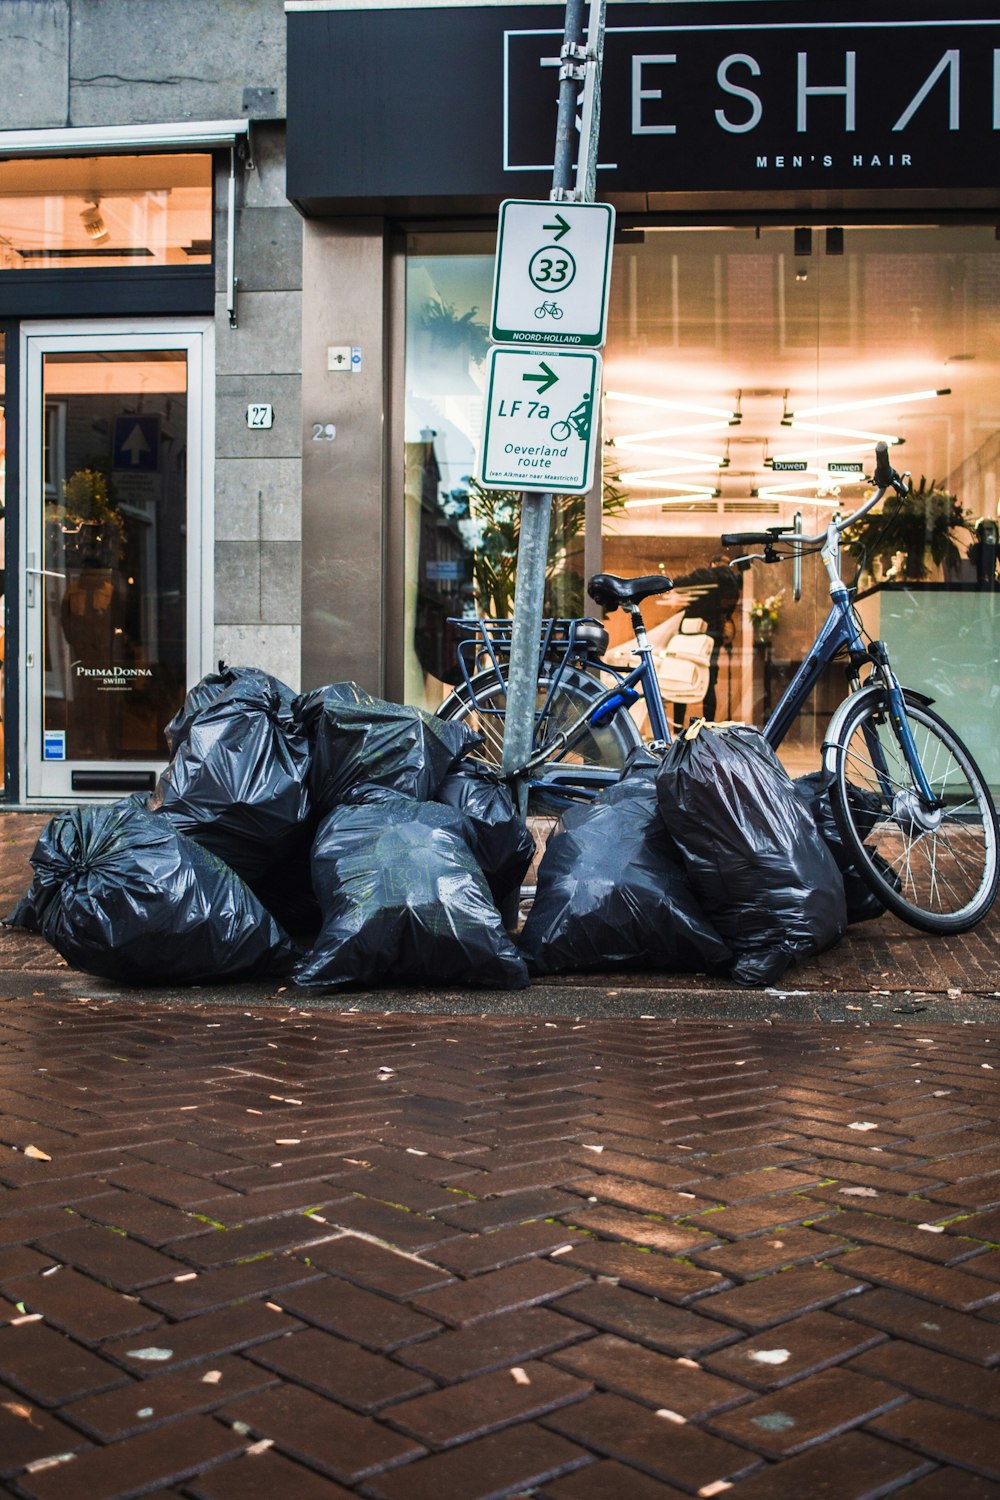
896	400
637	439
684	493
709	460
732	418
93	223
893	439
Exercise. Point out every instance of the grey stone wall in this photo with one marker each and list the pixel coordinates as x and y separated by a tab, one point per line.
126	62
258	491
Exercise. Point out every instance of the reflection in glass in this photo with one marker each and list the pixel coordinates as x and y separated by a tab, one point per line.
115	497
3	492
142	211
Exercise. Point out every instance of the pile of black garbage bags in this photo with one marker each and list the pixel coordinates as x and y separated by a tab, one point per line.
353	842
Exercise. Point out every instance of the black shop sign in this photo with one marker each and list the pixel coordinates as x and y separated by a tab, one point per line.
459	102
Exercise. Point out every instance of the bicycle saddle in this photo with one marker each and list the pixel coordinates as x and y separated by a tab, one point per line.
610	592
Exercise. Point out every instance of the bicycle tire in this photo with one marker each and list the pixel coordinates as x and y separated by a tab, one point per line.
939	873
605	748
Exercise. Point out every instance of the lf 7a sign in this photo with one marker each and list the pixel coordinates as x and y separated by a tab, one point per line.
540	421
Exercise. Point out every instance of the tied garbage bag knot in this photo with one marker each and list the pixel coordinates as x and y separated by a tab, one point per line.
148	906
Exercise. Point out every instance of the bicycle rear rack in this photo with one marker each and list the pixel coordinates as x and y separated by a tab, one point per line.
486	647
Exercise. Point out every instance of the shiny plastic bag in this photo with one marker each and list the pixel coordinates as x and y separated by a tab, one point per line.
501	840
862	902
120	893
403	901
751	850
238	781
378	744
211	687
612	893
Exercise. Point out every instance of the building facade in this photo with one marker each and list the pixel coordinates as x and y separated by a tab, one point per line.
243	422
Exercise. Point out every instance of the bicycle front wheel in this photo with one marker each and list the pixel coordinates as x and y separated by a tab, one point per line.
603	748
936	868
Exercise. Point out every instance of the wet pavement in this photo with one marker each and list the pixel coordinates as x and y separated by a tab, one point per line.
604	1240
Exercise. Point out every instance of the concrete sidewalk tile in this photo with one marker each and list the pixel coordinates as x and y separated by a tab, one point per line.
81	1306
194	1293
50	1367
112	1258
947	1483
478	1253
28	1434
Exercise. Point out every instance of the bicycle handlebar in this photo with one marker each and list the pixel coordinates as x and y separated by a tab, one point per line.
885	478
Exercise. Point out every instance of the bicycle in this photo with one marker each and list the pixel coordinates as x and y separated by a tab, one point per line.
909	801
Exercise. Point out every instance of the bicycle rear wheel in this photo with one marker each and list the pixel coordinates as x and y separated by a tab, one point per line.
939	869
603	748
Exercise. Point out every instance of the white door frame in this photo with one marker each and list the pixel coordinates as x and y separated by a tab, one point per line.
49	781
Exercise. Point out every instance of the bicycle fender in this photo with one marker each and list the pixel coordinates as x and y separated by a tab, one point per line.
867	695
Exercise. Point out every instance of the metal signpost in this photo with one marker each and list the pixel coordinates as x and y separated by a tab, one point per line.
550	280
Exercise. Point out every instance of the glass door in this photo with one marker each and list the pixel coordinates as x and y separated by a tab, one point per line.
117	612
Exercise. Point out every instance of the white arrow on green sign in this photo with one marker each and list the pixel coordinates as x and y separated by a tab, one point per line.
540	420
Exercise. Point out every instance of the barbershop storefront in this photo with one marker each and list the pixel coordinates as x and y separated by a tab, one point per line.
807	260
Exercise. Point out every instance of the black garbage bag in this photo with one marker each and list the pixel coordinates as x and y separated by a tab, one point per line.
211	687
612	893
238	783
379	744
25	913
751	850
121	893
501	840
862	902
403	900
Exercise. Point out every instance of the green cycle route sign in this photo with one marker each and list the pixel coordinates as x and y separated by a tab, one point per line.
553	273
539	432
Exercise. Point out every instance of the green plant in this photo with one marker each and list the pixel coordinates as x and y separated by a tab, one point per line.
442	322
86	498
496	516
767	611
902	534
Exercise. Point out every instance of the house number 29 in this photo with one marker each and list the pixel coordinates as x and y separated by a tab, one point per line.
323	432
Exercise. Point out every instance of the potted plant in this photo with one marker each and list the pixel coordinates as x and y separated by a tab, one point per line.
904	539
764	617
91	529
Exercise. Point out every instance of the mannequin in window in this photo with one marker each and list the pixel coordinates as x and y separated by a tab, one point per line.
717	590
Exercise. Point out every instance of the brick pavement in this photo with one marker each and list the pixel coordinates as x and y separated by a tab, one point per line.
246	1250
247	1247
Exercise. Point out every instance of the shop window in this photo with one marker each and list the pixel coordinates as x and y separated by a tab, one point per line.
85	212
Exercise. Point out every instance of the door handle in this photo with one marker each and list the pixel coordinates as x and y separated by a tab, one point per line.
31	574
44	573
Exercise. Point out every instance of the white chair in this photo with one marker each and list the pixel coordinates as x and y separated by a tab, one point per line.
682	666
